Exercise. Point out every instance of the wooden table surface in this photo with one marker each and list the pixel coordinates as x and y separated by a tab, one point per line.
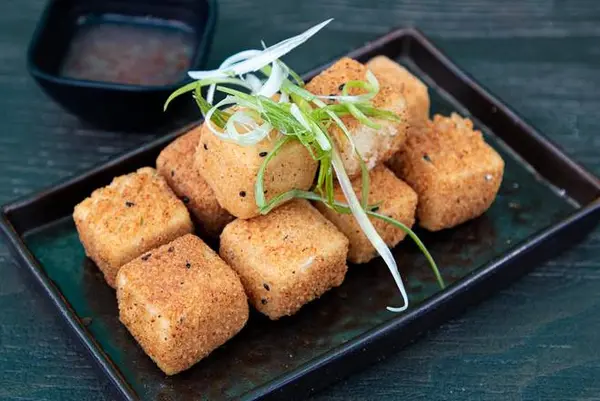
536	340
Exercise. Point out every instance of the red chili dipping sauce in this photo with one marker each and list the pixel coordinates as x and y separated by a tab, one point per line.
129	50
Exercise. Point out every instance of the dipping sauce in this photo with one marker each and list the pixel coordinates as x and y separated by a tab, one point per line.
129	50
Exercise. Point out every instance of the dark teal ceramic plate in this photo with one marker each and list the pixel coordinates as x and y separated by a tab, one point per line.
546	203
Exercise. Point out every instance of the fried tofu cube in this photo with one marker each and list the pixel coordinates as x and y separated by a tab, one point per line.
454	172
374	145
393	197
231	170
414	91
135	213
181	302
176	164
286	258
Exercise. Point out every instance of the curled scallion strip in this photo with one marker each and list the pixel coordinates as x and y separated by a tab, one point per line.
259	185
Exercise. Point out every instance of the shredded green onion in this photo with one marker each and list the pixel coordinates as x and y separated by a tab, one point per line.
259	185
219	117
302	116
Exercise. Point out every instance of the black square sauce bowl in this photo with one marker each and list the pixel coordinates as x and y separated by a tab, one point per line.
113	63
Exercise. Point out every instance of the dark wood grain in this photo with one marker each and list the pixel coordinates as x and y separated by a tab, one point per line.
536	340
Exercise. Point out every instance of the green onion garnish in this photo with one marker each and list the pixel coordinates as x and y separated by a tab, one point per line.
298	115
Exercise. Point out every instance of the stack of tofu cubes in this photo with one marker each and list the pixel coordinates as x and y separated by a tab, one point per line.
181	300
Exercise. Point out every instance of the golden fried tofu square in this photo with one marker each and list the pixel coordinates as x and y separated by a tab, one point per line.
374	145
135	213
286	258
176	164
455	173
414	90
393	197
231	170
180	302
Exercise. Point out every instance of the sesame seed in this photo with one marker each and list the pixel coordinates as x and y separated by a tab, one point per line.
171	249
262	154
129	204
488	177
427	158
172	173
263	301
266	287
341	87
205	147
188	265
243	194
146	257
185	199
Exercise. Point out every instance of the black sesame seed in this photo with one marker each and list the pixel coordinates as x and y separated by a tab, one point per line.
266	287
185	199
171	249
263	301
129	204
376	208
262	154
172	173
426	158
332	94
146	257
341	87
188	265
205	147
243	194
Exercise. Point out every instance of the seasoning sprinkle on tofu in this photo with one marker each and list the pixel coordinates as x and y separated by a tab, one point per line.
179	316
229	167
113	235
255	249
466	176
188	184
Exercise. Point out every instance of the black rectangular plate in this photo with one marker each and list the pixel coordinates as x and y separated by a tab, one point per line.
547	202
